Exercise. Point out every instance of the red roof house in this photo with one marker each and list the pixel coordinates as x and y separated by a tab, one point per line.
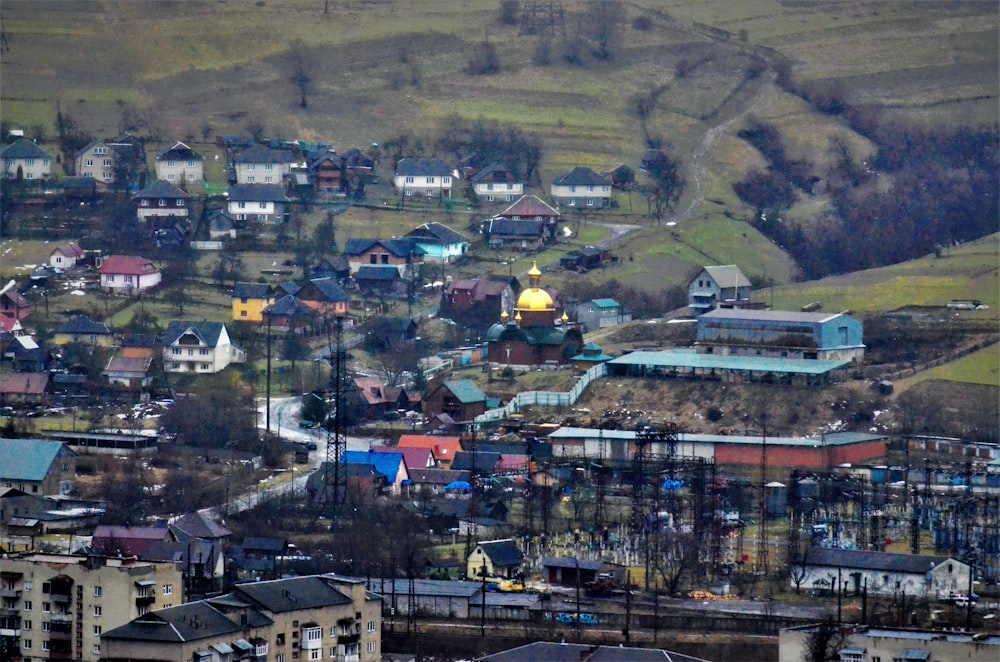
444	448
128	274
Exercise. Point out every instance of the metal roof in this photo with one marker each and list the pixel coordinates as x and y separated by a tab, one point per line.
28	459
834	439
728	275
682	358
466	391
425	587
770	315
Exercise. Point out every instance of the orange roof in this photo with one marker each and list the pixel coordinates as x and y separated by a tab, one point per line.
444	448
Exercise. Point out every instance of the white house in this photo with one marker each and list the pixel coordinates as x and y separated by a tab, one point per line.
180	163
128	274
259	164
65	257
431	178
203	347
582	187
264	203
883	573
496	183
716	285
23	159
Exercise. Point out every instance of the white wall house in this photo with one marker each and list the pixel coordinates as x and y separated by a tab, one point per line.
582	187
180	163
25	160
430	178
199	347
496	184
127	274
883	573
259	164
264	203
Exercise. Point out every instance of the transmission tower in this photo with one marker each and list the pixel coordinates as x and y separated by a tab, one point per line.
601	483
762	535
334	479
542	17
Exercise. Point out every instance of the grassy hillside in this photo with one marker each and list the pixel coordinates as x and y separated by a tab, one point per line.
193	70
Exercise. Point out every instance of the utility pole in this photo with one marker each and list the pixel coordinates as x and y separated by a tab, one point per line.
267	395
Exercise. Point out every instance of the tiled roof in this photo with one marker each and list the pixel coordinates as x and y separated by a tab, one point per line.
258	153
251	291
128	265
580	176
208	332
327	287
503	552
423	168
257	193
23	149
297	593
179	152
161	188
444	447
83	325
120	365
196	525
28	459
436	233
728	275
69	250
529	206
466	391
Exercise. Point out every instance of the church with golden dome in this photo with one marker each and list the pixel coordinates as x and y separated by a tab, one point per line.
537	335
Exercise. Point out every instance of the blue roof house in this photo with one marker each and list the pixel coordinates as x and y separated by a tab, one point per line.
37	466
390	465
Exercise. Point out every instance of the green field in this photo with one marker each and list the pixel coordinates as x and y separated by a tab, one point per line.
982	367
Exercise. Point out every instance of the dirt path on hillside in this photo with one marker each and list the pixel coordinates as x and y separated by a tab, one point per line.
698	158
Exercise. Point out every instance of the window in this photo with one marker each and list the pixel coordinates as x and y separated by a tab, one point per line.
243	313
25	625
180	203
316	654
107	163
242	205
29	175
46	587
97	649
446	181
170	177
170	164
177	351
241	217
26	644
572	189
46	607
27	605
143	610
590	202
268	180
144	203
280	639
371	626
204	366
371	646
261	217
97	630
163	202
280	657
202	352
191	163
268	166
97	610
312	634
430	180
333	652
29	162
250	167
45	644
100	151
409	180
489	198
251	179
407	191
108	176
88	163
489	187
384	258
46	626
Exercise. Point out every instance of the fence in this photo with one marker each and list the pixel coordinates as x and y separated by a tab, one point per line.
544	398
206	245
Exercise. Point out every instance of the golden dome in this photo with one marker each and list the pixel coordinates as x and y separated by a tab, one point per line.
517	317
504	315
565	317
534	298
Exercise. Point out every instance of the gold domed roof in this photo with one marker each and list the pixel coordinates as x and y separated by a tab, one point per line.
534	298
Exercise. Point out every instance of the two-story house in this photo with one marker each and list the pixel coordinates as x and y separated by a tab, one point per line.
259	164
404	254
325	171
161	198
496	183
199	348
431	178
128	274
37	466
13	304
582	187
82	329
601	314
180	163
249	300
715	286
264	203
96	161
23	159
324	296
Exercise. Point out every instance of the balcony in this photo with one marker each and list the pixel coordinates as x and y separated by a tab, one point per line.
62	598
9	611
61	618
145	600
10	593
60	655
60	635
10	632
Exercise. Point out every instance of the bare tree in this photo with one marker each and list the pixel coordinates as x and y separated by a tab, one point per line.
824	642
604	19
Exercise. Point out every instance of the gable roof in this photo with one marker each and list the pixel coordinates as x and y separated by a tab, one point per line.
179	152
388	464
161	188
505	227
120	365
466	391
251	291
23	149
197	525
495	173
83	325
69	250
377	272
434	476
423	167
258	153
257	193
444	448
398	247
286	306
130	265
208	333
282	595
865	560
581	176
529	206
436	233
502	552
415	458
548	651
29	459
25	383
478	461
327	287
728	275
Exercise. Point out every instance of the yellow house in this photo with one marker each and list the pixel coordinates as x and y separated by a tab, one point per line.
500	558
84	330
249	301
